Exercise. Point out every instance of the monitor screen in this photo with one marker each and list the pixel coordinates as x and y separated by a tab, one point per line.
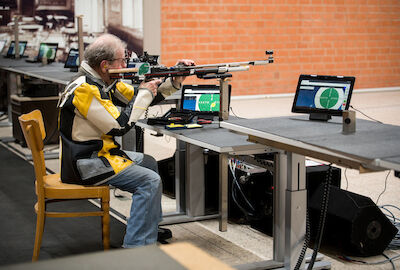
2	44
201	98
48	50
72	59
11	49
323	94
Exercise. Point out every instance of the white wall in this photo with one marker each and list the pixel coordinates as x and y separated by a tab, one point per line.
132	14
152	27
92	11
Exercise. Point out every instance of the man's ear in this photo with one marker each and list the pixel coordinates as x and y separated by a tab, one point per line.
104	66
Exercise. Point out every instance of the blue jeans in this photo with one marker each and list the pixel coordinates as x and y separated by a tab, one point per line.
142	180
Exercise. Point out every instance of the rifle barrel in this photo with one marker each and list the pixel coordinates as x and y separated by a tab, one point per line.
233	64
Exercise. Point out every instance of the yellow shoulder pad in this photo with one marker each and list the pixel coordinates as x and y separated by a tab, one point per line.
126	90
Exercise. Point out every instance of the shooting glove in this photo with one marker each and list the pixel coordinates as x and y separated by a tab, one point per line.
168	88
142	102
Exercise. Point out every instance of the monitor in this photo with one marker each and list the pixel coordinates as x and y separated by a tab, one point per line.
204	99
48	50
323	95
72	61
2	44
11	49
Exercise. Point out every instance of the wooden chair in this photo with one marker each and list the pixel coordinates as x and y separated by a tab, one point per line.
49	187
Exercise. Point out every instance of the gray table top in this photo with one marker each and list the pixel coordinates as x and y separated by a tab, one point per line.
371	141
211	137
53	72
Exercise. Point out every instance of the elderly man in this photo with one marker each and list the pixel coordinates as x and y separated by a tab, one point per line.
89	121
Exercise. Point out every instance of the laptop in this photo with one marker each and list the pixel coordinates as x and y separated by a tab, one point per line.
197	101
11	49
202	100
48	50
72	61
323	95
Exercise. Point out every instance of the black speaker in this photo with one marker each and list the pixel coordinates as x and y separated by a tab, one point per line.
315	175
354	224
166	170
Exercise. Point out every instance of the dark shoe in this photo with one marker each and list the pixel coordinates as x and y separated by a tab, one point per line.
163	234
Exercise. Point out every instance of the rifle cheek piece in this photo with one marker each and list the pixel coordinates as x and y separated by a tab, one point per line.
142	102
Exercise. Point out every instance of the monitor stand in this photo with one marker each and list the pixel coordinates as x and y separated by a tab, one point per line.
75	69
320	116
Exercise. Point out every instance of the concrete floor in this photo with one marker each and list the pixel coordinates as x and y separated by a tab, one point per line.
241	244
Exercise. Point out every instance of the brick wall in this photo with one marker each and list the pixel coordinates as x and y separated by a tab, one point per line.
329	37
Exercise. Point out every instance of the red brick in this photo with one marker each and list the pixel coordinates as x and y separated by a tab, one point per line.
359	38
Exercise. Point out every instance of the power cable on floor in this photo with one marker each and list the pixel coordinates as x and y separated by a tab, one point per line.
348	259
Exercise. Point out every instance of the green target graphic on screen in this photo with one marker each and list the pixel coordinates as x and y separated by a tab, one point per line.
208	102
48	52
329	98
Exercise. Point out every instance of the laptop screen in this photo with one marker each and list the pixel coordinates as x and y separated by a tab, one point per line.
48	50
201	98
323	94
11	49
72	59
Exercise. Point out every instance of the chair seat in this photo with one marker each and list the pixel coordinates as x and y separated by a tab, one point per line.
54	181
55	189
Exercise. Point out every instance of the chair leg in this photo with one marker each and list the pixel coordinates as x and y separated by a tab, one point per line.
40	216
105	224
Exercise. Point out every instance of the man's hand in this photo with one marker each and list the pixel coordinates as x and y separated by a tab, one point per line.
185	62
151	85
177	81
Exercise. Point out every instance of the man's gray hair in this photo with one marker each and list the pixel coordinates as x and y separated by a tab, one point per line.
103	48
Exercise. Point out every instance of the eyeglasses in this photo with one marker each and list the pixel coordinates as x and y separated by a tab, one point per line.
121	60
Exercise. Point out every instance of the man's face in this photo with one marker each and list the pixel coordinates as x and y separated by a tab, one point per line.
119	61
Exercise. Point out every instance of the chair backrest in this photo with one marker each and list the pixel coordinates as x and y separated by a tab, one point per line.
32	126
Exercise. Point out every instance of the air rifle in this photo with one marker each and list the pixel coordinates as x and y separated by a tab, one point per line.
146	67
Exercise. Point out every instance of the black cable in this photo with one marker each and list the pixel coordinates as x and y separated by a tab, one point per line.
384	188
244	211
235	114
390	260
322	218
307	236
140	139
348	259
236	184
395	243
306	242
366	115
